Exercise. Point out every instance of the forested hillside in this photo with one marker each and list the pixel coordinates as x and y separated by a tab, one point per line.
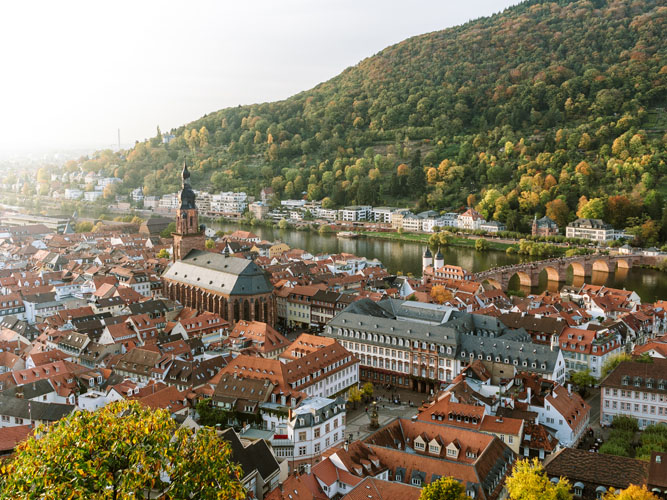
551	107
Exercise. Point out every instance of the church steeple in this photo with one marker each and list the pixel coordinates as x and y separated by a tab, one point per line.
188	234
185	175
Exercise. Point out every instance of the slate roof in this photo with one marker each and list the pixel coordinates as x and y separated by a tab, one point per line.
35	410
313	406
638	374
33	390
220	273
597	468
256	456
542	356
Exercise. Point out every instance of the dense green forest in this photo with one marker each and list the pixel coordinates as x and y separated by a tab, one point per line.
553	107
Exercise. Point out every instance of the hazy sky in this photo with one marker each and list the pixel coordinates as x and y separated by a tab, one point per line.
73	72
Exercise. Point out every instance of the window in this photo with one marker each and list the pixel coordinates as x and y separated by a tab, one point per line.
317	447
302	436
302	450
316	432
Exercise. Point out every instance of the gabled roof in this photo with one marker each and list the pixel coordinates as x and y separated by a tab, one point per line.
597	468
220	273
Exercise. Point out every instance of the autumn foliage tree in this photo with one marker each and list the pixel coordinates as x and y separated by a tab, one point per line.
440	294
558	211
445	488
632	492
121	451
529	482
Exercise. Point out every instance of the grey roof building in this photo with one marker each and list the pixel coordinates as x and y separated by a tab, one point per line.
220	273
20	411
233	287
423	347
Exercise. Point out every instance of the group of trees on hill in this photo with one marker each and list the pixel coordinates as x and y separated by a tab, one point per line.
551	107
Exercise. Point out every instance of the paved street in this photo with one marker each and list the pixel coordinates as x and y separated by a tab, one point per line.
357	425
593	399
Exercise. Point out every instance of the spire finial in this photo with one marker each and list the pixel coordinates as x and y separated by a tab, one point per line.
186	173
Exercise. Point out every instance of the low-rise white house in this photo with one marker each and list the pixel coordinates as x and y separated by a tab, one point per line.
470	219
564	412
316	425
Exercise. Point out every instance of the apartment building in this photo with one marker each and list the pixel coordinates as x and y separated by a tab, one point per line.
229	202
636	389
593	229
588	349
383	214
328	371
356	213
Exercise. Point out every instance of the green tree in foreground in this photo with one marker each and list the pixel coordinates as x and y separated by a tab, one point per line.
529	482
210	244
163	254
121	451
445	488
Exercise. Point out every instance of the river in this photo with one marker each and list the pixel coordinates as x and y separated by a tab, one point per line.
405	257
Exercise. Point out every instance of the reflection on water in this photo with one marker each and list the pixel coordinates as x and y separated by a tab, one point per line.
406	258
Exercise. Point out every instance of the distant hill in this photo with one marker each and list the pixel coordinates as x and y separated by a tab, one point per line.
548	100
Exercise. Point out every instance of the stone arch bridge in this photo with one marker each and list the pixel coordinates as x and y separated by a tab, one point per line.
556	269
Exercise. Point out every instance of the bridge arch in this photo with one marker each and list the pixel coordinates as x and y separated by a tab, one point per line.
601	265
552	273
494	283
623	264
578	269
524	278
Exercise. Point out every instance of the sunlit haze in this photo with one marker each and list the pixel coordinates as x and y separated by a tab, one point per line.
73	73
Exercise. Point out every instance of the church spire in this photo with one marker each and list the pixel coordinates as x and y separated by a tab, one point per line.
185	174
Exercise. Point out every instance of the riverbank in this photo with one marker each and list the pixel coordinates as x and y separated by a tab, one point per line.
455	241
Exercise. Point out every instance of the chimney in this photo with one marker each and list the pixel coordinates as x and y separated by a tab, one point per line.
529	394
569	389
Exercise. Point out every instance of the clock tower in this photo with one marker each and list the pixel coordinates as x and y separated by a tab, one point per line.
189	234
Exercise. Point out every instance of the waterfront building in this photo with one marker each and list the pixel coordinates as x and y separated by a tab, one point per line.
470	219
544	227
594	230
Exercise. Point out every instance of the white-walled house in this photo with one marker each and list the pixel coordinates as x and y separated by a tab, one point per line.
564	412
315	426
